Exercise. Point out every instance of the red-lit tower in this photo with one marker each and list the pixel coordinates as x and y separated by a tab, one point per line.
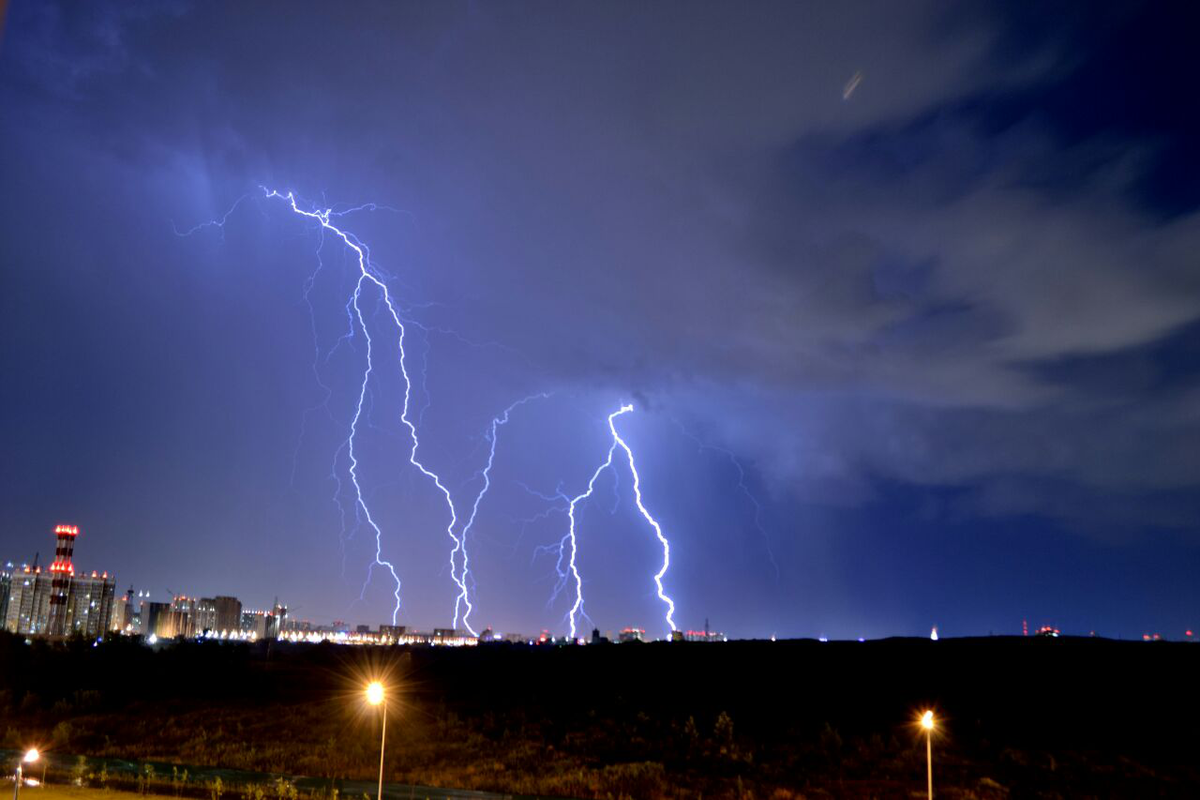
61	573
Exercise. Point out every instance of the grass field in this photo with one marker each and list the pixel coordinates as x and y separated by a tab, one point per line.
59	792
762	720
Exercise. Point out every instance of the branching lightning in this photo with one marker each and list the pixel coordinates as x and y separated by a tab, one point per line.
368	274
463	599
569	545
372	280
573	568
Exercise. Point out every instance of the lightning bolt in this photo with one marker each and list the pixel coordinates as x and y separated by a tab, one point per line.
463	599
570	544
372	278
637	495
573	568
369	275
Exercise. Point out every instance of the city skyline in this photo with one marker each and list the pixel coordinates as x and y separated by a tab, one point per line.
904	308
196	616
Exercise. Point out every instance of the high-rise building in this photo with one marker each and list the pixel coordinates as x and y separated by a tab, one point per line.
5	589
181	618
58	602
276	619
631	635
264	624
28	602
153	617
205	617
228	613
254	623
90	604
123	617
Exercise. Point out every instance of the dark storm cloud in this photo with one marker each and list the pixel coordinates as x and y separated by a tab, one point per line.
975	272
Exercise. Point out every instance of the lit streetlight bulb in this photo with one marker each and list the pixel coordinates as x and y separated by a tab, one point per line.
927	720
31	755
374	693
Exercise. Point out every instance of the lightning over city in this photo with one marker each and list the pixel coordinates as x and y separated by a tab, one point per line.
644	400
568	548
370	276
367	274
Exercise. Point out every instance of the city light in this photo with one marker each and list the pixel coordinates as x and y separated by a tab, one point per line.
375	697
31	755
927	725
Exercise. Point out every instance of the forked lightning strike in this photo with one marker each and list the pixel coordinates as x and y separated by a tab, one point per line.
463	599
570	541
370	275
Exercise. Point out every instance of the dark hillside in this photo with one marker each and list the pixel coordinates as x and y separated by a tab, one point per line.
1040	717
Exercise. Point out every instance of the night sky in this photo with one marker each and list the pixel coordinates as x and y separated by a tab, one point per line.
917	349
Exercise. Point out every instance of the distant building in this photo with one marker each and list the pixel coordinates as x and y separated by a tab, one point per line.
264	624
28	602
228	613
632	635
451	637
5	588
204	619
90	604
254	623
180	619
58	602
704	636
300	626
86	609
123	615
153	618
276	619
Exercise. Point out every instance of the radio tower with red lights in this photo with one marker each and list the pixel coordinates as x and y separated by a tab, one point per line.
61	572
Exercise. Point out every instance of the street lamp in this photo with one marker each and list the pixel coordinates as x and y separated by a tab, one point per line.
31	755
375	697
927	724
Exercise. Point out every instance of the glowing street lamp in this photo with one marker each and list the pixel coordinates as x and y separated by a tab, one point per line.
927	724
375	697
31	755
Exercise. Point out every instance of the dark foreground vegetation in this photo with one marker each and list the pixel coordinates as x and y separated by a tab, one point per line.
1023	717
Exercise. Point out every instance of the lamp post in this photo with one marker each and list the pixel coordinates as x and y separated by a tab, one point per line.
30	756
927	724
375	697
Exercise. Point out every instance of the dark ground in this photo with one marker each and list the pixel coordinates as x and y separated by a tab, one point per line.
1020	717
